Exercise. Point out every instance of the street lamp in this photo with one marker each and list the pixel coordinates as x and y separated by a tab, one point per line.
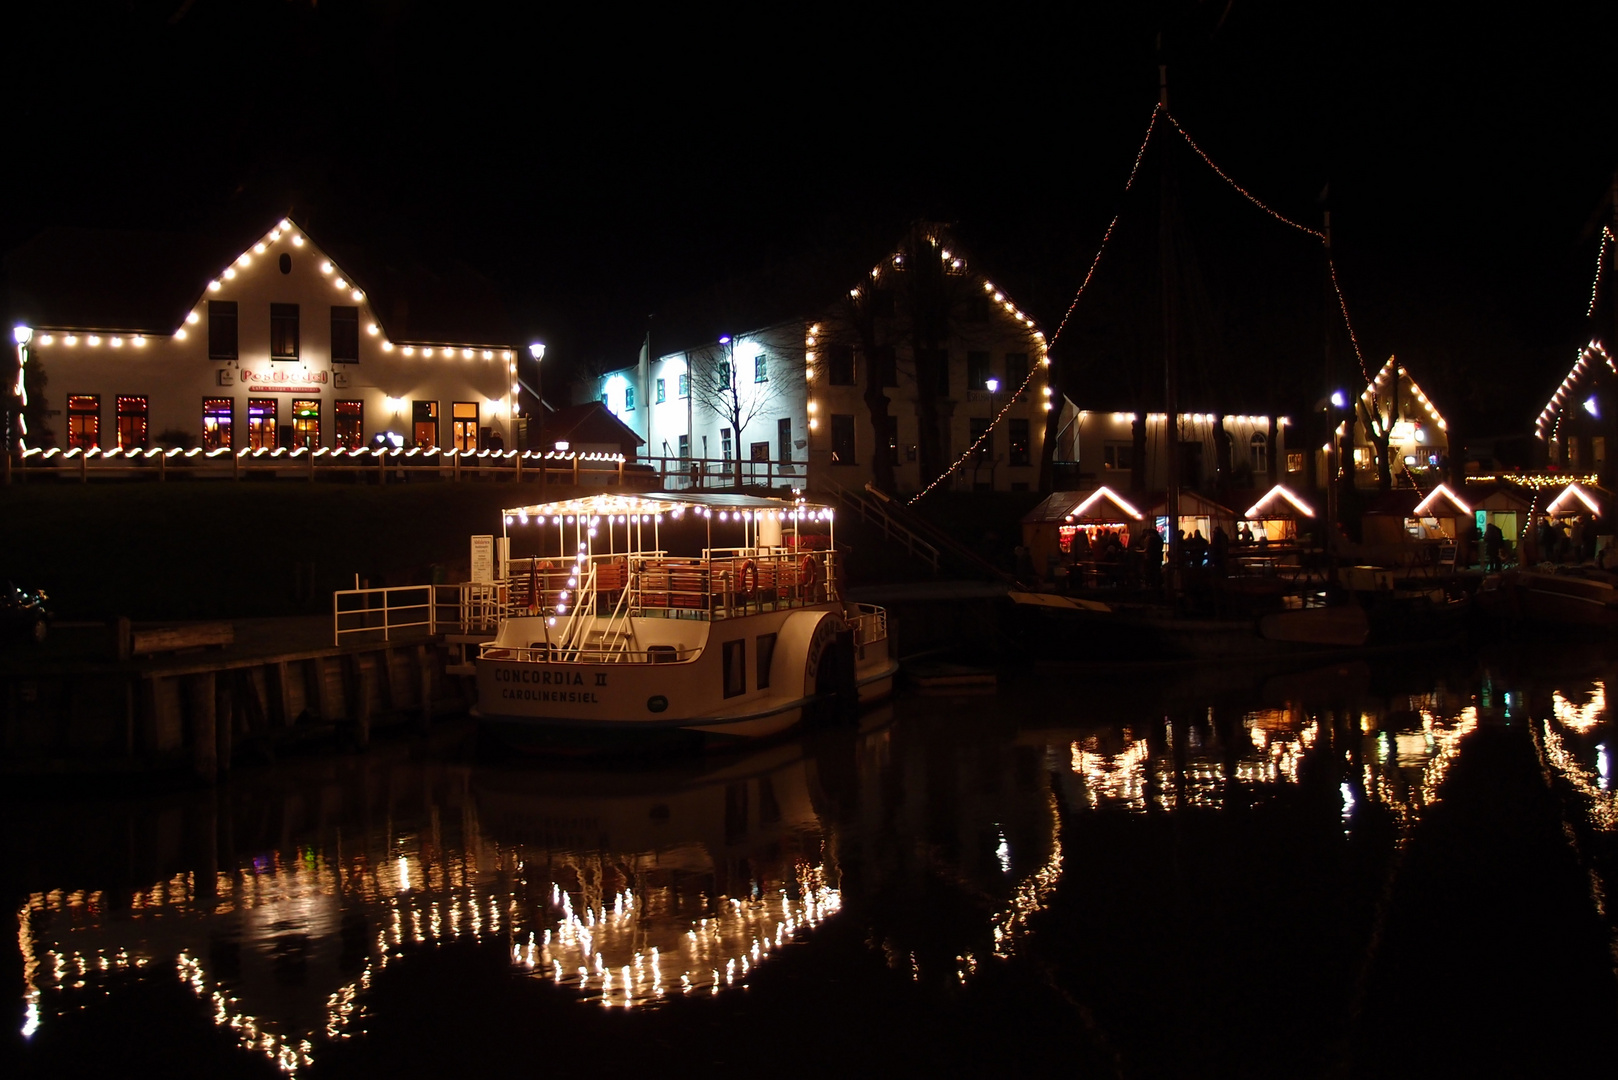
537	351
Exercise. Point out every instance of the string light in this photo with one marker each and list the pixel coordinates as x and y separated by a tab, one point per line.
1601	264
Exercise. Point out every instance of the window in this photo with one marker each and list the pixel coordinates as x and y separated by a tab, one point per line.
306	423
840	365
1019	442
735	655
84	421
1016	371
1118	455
1295	461
222	330
763	652
424	420
660	391
1258	452
893	441
283	331
685	384
345	335
132	421
978	371
984	454
759	451
760	369
685	443
842	439
261	423
464	434
1363	457
724	443
722	375
218	423
629	399
350	423
783	438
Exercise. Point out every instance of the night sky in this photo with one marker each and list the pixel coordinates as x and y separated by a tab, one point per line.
604	169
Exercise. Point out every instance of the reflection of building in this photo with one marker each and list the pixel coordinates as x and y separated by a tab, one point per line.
273	345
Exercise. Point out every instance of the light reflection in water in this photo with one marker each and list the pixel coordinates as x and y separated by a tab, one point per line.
314	929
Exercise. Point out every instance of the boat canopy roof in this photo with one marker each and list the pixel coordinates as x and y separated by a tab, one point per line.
661	502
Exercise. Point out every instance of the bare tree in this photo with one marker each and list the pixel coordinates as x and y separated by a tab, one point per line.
738	398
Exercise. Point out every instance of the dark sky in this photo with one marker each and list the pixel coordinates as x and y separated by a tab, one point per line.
602	168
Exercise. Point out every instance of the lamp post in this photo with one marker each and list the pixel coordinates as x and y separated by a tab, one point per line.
17	398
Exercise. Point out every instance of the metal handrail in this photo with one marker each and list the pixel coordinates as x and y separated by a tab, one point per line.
401	608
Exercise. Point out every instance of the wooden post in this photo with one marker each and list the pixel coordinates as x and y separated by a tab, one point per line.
162	467
224	721
424	675
363	679
204	747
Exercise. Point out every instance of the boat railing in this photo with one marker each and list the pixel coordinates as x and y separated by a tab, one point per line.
870	624
539	652
731	585
399	611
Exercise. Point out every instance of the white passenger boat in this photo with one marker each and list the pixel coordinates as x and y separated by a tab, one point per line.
626	618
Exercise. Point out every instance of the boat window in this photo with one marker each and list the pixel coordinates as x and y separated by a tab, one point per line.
735	668
763	651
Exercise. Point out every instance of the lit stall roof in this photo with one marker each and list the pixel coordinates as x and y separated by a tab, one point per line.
1436	501
1276	502
1570	499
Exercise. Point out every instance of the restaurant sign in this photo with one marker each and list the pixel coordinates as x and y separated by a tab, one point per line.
285	382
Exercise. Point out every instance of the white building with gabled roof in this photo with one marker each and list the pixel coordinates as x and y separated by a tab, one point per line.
278	346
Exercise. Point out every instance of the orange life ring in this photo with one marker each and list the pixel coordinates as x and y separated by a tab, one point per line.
747	588
807	568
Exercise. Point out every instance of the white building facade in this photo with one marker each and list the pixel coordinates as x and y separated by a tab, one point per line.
281	349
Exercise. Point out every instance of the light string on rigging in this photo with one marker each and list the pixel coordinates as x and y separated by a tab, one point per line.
1601	262
1151	127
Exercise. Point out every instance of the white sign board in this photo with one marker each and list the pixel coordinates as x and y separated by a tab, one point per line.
483	559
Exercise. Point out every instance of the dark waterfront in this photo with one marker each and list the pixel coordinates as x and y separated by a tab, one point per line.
1372	870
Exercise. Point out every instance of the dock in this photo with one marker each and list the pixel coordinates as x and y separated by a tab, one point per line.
192	699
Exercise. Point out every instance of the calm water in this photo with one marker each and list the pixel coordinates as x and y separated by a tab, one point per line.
1341	872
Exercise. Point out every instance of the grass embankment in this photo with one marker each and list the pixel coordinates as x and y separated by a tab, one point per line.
201	550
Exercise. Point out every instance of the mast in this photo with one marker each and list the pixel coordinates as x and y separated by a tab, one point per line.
1171	411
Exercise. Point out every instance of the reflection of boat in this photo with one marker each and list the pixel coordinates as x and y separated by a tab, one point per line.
647	884
639	626
1581	596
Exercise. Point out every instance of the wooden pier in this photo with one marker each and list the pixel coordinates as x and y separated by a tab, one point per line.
192	699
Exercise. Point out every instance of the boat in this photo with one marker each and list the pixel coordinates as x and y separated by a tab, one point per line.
1570	596
637	620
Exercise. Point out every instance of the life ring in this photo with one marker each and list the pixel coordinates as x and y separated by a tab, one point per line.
746	588
807	569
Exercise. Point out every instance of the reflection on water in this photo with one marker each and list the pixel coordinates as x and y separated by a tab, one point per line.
947	831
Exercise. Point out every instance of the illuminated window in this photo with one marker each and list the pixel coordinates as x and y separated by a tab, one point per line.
345	335
660	391
132	421
424	420
465	432
1019	442
1295	461
84	420
218	423
1363	457
306	423
261	429
350	421
283	331
842	439
760	369
783	438
222	330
